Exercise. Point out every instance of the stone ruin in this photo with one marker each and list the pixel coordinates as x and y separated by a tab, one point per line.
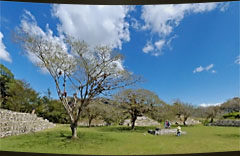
95	123
165	132
142	121
16	123
226	122
146	121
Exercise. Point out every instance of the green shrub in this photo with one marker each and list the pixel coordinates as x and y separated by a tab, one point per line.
234	115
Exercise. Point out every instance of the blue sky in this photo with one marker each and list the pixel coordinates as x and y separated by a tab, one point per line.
188	52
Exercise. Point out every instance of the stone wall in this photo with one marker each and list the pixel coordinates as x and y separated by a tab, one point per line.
234	123
16	123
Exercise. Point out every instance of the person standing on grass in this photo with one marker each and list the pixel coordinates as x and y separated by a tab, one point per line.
166	124
169	124
178	131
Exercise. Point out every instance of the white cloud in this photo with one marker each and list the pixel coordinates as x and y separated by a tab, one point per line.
162	19
29	25
209	67
28	15
148	47
213	71
237	61
135	24
210	104
170	41
4	55
96	25
223	6
200	69
159	44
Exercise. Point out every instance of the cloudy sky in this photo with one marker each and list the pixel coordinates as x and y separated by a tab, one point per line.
188	52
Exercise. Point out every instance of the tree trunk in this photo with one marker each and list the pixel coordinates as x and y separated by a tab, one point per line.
211	120
133	122
184	121
89	122
74	130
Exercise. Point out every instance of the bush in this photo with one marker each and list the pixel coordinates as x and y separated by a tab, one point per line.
205	122
234	115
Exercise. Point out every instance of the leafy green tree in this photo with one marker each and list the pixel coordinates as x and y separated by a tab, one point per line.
52	110
6	76
22	98
17	95
56	112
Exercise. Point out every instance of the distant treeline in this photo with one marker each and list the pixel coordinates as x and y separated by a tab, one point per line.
17	95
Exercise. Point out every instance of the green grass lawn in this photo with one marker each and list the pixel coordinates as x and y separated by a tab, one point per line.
120	140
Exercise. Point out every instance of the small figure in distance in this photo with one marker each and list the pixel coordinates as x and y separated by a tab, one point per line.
178	131
169	124
166	124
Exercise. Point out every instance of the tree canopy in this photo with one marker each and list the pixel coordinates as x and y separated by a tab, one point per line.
137	102
182	110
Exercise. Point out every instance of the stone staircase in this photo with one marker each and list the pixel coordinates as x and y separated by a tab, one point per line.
16	123
226	122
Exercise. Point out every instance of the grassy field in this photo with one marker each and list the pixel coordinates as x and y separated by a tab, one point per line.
121	140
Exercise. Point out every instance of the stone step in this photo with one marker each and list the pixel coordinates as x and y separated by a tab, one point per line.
15	123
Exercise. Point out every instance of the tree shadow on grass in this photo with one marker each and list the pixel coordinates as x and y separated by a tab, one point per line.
67	136
229	135
123	129
85	138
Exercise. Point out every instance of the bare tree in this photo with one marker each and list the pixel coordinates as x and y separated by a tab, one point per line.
137	102
162	113
94	110
182	110
212	112
77	69
111	113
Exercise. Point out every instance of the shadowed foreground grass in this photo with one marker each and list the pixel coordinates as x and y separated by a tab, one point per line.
121	140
